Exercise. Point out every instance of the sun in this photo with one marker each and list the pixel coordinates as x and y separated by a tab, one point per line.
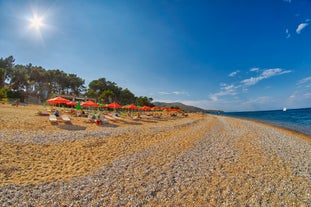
36	22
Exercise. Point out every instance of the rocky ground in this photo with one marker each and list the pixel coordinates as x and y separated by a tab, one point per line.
195	161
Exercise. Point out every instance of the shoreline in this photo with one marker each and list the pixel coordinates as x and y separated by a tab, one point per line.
287	130
261	116
196	160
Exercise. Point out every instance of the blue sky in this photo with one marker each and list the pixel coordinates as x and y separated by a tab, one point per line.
232	55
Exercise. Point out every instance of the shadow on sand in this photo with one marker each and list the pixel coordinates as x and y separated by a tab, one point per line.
71	127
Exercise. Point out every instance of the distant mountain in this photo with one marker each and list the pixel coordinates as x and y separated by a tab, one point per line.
184	107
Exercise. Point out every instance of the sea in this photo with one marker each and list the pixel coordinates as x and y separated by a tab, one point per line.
298	120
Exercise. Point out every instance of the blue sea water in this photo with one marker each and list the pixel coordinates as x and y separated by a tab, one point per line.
294	119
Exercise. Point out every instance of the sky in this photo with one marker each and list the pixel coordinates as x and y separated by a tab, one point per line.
231	55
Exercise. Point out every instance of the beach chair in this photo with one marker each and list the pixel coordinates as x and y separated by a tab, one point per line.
109	118
117	118
53	119
66	119
90	119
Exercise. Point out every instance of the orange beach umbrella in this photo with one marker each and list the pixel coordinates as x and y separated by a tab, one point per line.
114	105
89	104
145	108
132	106
57	100
71	103
155	108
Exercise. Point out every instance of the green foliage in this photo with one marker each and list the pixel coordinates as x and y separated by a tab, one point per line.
3	93
106	96
127	97
13	94
19	78
23	80
144	101
6	65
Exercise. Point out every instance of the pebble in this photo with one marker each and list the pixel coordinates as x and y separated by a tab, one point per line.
232	163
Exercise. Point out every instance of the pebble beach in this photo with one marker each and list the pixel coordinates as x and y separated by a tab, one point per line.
198	160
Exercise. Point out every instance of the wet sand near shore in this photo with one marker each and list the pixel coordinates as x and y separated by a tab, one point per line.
200	160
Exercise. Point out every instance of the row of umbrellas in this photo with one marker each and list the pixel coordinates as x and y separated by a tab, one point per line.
114	105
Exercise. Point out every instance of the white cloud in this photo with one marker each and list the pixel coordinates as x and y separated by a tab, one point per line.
289	1
287	33
252	81
303	81
254	69
163	93
264	75
174	93
225	90
259	100
301	27
233	73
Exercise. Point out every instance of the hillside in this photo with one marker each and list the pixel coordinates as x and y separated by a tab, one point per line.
184	107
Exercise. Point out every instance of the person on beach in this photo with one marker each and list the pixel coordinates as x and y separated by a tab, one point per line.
56	113
16	103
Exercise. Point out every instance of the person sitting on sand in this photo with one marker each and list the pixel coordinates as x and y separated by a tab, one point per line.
56	113
98	120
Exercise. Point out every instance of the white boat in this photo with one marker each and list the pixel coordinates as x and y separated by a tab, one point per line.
284	109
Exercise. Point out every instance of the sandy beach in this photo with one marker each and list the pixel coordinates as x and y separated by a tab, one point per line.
199	160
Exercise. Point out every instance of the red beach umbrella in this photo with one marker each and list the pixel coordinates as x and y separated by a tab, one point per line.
114	105
132	106
145	108
106	106
155	108
57	100
71	103
89	104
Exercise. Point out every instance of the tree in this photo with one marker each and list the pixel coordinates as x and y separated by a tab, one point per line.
19	78
143	100
37	79
106	96
75	84
6	66
126	97
3	93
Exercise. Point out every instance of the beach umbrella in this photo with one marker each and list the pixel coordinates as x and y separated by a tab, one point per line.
106	106
114	105
71	103
78	106
89	104
145	108
125	106
57	100
155	108
132	106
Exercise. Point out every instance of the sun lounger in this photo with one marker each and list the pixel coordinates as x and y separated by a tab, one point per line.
135	118
65	118
90	119
109	118
118	118
53	119
146	117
